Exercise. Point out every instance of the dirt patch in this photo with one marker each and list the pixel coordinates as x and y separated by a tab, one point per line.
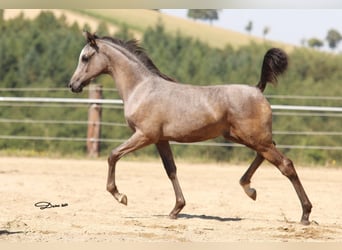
217	209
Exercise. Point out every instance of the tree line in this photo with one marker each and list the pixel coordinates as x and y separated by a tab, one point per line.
333	36
43	53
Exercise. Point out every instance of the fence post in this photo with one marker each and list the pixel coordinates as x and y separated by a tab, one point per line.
94	120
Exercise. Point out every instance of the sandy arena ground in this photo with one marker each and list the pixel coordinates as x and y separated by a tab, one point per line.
217	209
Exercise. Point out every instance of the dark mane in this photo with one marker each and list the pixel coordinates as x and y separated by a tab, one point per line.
134	47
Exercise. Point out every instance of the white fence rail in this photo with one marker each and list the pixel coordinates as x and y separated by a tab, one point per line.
59	100
8	100
117	101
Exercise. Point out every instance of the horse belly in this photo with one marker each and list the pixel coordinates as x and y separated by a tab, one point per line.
187	132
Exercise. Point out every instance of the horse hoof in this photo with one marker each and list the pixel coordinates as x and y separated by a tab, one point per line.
252	193
305	222
123	199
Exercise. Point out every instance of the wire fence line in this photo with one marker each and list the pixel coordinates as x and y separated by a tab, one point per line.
63	89
60	100
204	143
212	144
311	114
66	122
46	89
116	103
117	124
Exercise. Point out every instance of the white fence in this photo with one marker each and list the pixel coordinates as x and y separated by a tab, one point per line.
327	111
117	101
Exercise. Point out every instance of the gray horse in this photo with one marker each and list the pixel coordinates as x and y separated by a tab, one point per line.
158	110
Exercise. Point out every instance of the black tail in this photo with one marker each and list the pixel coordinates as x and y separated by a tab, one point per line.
275	63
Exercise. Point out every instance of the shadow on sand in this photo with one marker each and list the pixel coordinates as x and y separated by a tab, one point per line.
207	217
6	232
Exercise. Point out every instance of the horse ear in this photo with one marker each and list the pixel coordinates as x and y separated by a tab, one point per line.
91	39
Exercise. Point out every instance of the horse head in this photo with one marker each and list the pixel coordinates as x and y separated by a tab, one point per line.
91	63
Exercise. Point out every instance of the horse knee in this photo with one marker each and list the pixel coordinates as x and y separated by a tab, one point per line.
112	159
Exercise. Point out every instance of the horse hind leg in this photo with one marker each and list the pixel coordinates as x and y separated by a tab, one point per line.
286	167
246	178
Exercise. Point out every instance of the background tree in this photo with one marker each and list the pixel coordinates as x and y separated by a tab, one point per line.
303	41
102	29
265	31
1	16
124	33
249	27
315	43
203	14
333	38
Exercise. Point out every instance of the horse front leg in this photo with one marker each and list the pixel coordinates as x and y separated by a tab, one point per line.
246	178
171	170
136	141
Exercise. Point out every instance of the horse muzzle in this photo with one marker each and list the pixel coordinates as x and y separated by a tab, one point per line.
77	87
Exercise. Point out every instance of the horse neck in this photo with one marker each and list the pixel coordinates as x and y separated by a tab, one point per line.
126	70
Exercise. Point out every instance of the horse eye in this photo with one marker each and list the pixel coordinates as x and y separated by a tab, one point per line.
85	58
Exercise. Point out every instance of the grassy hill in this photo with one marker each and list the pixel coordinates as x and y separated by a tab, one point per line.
140	19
